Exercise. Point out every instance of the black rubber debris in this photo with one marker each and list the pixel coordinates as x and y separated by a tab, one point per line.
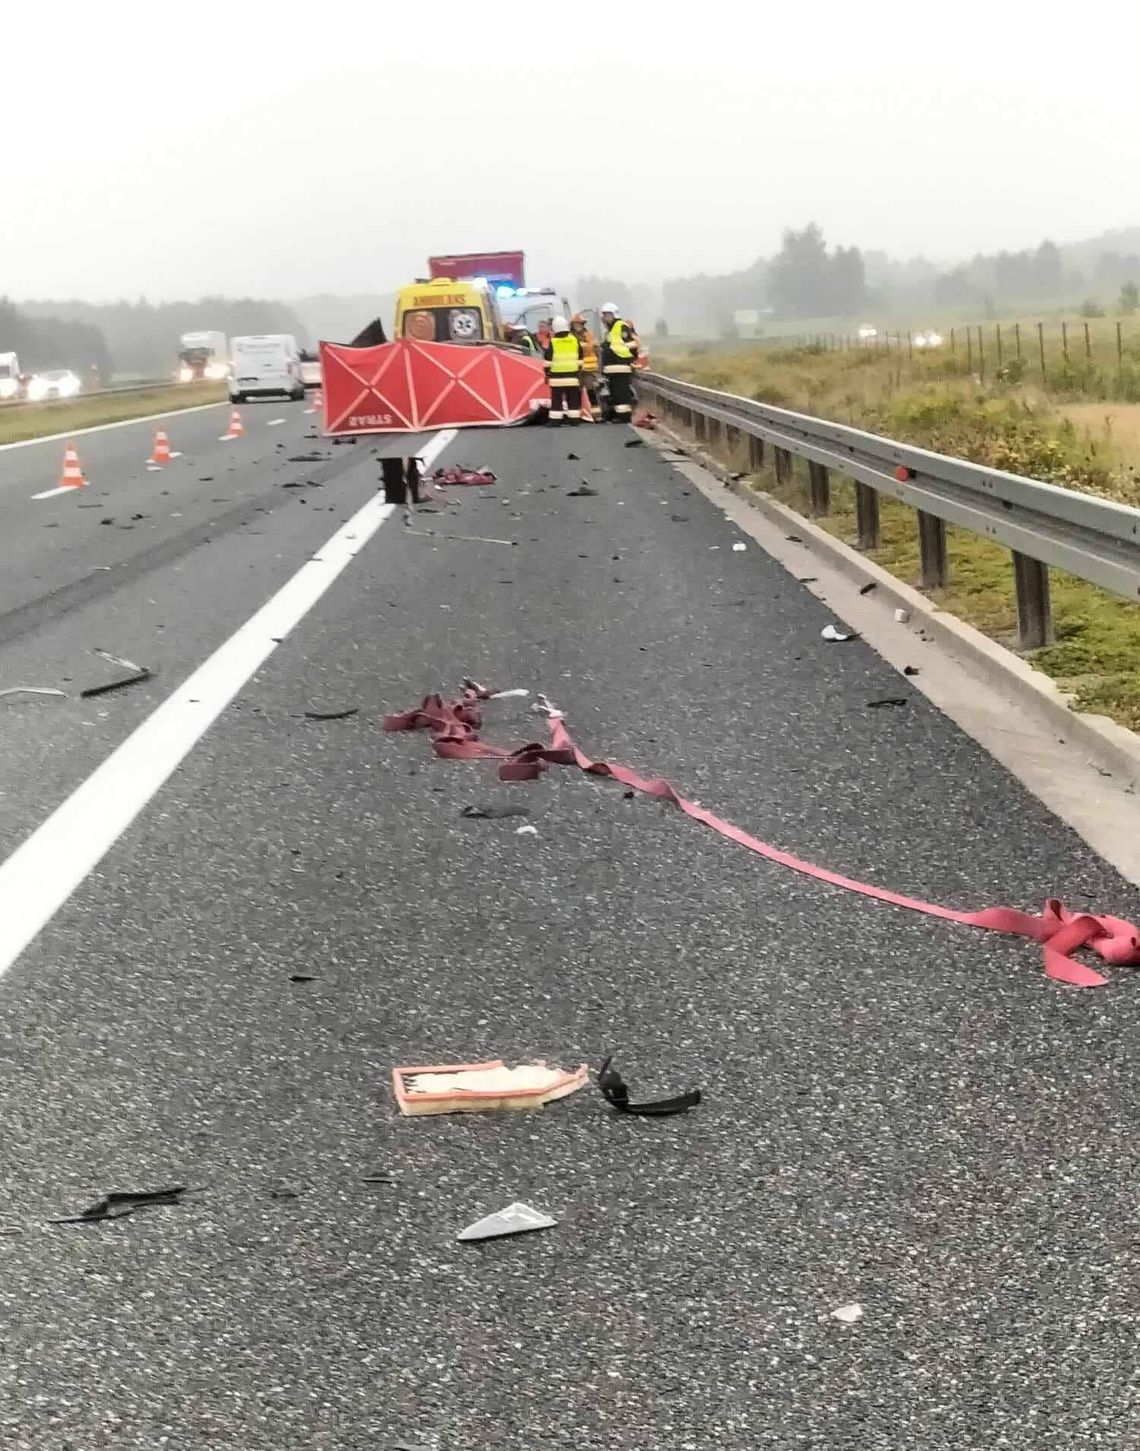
332	714
118	1205
887	700
583	491
793	538
910	670
308	458
302	977
679	518
616	1094
634	443
867	588
112	685
573	456
492	813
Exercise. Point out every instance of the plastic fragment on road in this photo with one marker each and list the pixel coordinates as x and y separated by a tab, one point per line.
332	714
886	700
139	673
835	636
32	690
848	1314
526	831
482	1087
867	588
545	707
583	491
616	1094
461	474
902	617
739	548
119	1205
515	1219
492	813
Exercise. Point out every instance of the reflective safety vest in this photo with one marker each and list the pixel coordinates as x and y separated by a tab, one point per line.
618	348
589	351
566	359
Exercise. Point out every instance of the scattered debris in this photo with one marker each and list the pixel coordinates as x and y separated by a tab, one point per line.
492	813
910	669
616	1094
848	1314
543	706
32	690
461	474
308	458
793	538
119	1205
527	831
138	674
206	479
482	1087
515	1219
887	700
302	484
867	588
679	518
739	548
573	456
583	491
902	616
280	1192
302	977
635	443
645	419
508	694
836	636
809	579
378	1179
332	714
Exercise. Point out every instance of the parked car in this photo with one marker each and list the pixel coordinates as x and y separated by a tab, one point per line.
311	369
55	383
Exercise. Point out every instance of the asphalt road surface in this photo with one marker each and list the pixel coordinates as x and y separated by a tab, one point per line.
898	1112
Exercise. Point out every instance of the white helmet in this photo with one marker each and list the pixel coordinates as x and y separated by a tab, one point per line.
610	307
560	325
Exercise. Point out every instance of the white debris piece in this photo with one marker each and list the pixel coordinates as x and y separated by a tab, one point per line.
506	694
902	616
848	1314
526	831
740	548
835	636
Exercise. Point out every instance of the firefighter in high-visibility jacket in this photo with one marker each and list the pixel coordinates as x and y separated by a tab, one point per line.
582	332
563	355
619	356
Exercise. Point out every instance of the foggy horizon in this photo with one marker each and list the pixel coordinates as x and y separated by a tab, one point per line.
248	157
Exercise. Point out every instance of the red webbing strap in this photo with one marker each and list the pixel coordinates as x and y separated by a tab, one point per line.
455	727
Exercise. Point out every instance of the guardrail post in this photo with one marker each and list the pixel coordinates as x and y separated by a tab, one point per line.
820	489
867	516
1034	607
755	453
713	432
699	427
783	465
932	550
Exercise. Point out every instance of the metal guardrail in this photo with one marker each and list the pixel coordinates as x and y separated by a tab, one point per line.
115	390
1095	539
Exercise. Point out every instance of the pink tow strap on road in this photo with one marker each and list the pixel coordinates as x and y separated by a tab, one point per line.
455	729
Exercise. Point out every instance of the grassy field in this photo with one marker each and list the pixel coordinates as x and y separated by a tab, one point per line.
35	420
1086	446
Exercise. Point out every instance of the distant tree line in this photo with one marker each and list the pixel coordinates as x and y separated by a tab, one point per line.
142	337
53	342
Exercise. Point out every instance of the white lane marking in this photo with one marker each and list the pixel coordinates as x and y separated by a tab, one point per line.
229	437
177	453
273	422
103	427
43	872
51	493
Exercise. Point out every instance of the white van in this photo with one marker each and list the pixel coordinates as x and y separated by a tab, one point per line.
263	365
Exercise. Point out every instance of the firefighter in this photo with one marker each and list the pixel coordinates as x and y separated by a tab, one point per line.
619	354
521	336
564	373
589	359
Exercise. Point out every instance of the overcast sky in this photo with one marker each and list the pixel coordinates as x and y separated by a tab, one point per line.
172	150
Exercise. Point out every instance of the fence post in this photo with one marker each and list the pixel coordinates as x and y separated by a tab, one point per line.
932	550
969	350
909	345
1041	346
1017	339
1119	354
867	516
953	345
997	333
820	489
1034	608
981	355
1088	344
1065	347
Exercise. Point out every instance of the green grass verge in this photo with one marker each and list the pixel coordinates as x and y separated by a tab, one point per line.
1096	656
36	420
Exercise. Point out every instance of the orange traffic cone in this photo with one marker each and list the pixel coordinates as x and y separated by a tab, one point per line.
236	429
161	454
317	403
72	477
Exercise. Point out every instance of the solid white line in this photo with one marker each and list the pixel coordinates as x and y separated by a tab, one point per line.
273	422
51	493
42	873
103	427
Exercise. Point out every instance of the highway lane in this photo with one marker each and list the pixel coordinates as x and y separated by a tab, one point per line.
898	1112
